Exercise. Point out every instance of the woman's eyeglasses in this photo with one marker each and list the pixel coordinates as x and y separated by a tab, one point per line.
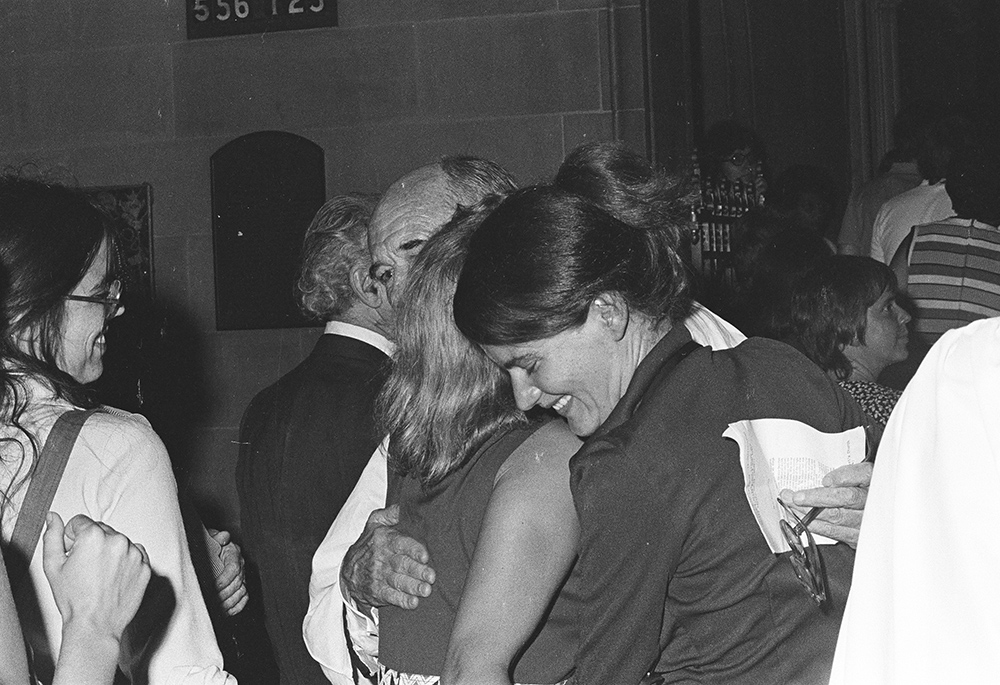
111	301
805	557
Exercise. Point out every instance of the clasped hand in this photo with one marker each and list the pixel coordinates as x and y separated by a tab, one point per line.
230	582
98	576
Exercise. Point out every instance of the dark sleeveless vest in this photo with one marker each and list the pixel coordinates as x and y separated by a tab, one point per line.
447	518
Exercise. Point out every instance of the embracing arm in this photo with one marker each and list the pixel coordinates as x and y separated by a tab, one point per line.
323	626
384	566
527	545
345	574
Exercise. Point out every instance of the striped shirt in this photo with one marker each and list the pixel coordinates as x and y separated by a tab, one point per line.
954	275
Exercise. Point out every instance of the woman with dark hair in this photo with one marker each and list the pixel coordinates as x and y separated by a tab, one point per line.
485	488
626	186
844	316
674	573
61	293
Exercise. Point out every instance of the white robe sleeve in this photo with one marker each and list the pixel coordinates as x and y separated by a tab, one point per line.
709	329
922	606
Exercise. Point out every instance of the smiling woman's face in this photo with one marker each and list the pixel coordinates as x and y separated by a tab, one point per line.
580	373
82	343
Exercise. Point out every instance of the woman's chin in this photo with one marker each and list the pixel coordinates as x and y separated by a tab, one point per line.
582	428
89	374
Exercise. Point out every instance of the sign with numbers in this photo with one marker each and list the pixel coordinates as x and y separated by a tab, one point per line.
210	18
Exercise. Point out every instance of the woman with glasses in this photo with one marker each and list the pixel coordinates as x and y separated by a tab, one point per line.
674	575
60	294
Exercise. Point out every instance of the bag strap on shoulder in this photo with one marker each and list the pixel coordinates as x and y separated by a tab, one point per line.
42	489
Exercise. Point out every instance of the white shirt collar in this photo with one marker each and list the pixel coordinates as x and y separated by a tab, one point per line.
365	335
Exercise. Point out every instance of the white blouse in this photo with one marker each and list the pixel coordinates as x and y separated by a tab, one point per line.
119	473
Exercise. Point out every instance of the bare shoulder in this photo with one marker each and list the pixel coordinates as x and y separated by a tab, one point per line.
554	437
547	449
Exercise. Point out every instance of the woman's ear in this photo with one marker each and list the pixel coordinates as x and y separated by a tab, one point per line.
611	310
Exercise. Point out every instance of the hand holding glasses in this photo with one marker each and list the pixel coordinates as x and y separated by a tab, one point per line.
805	556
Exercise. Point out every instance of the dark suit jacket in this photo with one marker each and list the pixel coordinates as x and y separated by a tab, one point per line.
303	444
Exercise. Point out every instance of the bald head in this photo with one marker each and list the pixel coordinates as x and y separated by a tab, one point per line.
416	206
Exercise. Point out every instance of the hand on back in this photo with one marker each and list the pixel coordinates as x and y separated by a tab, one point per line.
385	567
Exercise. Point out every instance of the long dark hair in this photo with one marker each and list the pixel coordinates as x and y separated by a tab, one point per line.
49	237
540	259
444	397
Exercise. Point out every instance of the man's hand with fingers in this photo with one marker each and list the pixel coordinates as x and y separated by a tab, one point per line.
230	579
842	499
385	567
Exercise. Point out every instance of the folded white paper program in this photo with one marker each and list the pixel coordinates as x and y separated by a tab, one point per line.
781	453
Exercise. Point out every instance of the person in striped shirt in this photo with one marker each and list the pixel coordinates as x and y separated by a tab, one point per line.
951	268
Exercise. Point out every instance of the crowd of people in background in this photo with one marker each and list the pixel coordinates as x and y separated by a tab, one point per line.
508	458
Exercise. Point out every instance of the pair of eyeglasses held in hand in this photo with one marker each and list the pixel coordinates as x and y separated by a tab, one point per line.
805	556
